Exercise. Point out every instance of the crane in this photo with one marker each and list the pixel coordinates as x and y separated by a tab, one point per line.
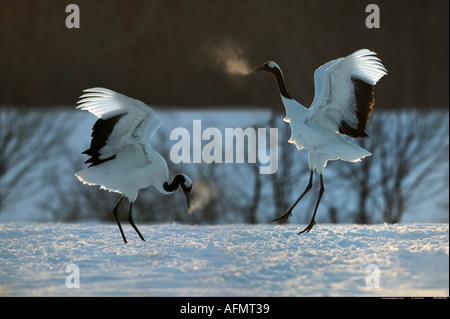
343	103
120	155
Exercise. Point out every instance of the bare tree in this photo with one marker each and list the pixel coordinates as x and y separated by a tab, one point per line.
30	141
361	178
409	157
413	156
257	188
70	200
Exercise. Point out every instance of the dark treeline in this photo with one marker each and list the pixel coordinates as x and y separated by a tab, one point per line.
175	52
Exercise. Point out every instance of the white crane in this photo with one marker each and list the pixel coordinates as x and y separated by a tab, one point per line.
343	102
121	158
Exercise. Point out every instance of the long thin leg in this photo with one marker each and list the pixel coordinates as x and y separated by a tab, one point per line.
289	211
131	221
313	222
117	219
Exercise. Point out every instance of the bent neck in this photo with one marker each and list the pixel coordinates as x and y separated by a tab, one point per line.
174	184
281	84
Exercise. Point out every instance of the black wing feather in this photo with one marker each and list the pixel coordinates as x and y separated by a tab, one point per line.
365	100
100	133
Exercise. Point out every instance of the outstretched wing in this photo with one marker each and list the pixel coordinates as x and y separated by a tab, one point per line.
123	121
344	92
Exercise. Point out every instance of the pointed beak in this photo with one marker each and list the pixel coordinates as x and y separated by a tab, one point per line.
188	199
250	71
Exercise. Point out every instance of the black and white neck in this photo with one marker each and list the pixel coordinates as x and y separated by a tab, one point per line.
179	181
273	68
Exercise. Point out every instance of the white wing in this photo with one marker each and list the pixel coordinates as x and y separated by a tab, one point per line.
123	121
344	92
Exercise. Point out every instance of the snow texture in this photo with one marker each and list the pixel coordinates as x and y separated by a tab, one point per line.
224	260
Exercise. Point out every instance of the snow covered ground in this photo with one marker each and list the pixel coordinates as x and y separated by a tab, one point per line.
45	259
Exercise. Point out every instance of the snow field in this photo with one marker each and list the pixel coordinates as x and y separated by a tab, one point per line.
225	260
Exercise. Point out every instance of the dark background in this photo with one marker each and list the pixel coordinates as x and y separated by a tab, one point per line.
162	52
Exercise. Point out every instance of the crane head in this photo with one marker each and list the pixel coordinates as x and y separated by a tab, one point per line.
269	66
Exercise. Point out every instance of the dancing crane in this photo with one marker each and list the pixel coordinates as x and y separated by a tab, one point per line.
121	158
343	102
